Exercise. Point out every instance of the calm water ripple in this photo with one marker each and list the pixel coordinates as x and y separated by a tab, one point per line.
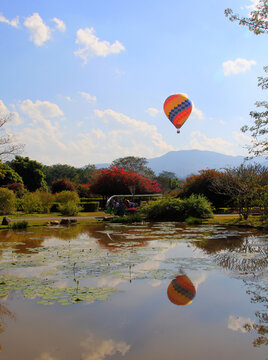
149	291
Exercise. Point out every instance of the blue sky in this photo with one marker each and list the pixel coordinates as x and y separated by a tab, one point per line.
86	80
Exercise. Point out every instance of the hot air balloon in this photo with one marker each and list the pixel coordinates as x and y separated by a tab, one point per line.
178	108
181	290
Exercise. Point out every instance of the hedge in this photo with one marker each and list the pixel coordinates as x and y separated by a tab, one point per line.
90	206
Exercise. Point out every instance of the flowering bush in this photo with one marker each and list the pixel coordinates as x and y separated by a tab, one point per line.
112	181
83	190
17	188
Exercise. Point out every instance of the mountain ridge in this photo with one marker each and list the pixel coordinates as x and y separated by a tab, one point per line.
186	162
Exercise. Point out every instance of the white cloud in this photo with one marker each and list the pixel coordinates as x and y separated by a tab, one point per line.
92	46
59	24
115	136
237	66
68	98
196	113
253	5
45	356
237	323
98	349
87	96
40	109
241	138
152	112
39	31
16	119
200	141
14	22
3	108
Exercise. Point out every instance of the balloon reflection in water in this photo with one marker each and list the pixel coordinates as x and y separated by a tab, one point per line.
181	290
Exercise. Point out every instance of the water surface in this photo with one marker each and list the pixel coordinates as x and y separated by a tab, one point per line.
101	292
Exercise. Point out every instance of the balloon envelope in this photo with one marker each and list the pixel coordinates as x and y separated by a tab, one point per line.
181	290
178	108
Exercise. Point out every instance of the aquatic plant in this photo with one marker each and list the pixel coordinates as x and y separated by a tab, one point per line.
19	225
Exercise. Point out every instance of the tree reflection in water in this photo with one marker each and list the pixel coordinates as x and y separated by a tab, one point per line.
248	259
4	313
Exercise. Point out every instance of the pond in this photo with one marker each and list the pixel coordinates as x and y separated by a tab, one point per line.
145	291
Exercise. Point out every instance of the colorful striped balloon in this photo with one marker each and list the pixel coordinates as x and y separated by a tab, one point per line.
178	108
181	290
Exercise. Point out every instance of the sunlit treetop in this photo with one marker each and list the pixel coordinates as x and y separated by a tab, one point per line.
257	22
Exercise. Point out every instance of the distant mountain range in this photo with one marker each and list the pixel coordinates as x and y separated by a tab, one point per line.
186	162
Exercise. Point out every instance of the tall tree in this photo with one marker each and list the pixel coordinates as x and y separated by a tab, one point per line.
167	180
246	185
138	164
257	22
259	129
31	172
7	147
8	175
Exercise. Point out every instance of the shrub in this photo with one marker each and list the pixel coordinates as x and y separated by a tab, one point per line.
31	203
165	209
127	219
19	225
58	186
193	221
46	200
68	203
69	208
90	206
7	201
170	209
66	196
54	207
197	206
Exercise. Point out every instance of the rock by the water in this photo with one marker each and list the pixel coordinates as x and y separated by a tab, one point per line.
65	222
6	220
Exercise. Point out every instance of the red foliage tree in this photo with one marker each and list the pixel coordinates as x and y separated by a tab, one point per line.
114	181
61	185
83	190
203	184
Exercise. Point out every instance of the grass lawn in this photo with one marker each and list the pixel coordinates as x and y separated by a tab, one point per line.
234	220
42	219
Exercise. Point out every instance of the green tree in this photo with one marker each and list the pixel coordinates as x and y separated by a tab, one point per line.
8	175
59	171
31	172
168	181
137	164
7	146
64	171
85	174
